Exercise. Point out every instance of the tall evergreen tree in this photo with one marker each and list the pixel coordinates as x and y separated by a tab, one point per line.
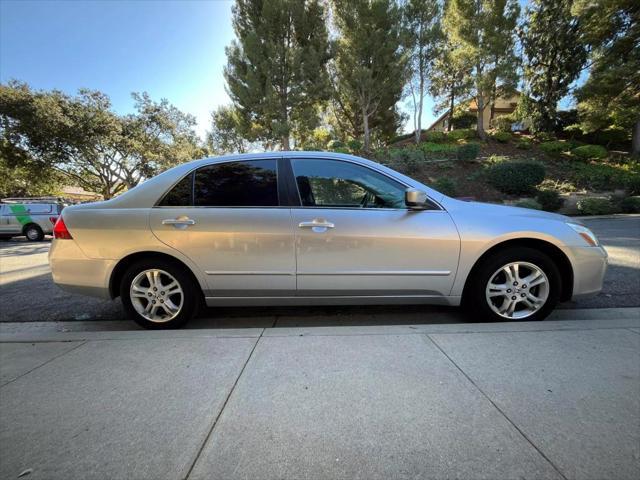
611	95
421	30
554	56
276	70
482	32
370	68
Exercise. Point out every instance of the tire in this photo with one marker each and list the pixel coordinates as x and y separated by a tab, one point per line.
483	303
162	317
33	233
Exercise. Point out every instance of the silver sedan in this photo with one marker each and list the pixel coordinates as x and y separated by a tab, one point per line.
311	228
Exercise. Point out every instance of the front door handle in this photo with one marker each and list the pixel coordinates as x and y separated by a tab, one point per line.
180	222
318	225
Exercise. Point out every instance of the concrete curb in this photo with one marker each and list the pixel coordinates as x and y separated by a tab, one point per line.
587	319
606	217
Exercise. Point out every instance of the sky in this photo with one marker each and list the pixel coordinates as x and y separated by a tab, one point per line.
171	49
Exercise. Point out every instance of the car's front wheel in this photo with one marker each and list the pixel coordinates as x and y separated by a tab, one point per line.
518	283
158	294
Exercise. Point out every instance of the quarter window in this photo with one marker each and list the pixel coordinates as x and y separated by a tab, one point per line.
333	183
237	184
180	194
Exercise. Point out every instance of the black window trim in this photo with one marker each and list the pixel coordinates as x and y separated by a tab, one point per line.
292	181
282	189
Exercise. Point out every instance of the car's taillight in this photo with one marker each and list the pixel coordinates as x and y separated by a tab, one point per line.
53	220
60	230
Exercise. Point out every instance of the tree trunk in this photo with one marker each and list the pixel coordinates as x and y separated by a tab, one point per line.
635	139
451	102
367	133
480	125
284	142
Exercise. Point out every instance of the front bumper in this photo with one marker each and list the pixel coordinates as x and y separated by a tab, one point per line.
589	267
73	271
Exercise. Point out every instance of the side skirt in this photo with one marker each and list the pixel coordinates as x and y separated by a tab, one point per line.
332	300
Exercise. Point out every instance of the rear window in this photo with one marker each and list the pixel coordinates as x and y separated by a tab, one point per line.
180	194
237	184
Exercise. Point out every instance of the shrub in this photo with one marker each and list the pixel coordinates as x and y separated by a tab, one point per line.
632	183
334	144
468	152
524	144
545	137
555	147
630	205
504	122
610	136
498	159
595	206
435	136
464	120
529	203
406	160
354	145
598	176
587	152
515	177
462	134
549	200
429	148
446	185
502	137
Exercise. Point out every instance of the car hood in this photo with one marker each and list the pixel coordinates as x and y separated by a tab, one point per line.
489	209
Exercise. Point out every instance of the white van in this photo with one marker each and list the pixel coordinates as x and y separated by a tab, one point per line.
30	217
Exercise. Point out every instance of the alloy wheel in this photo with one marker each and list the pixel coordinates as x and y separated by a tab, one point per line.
156	295
517	290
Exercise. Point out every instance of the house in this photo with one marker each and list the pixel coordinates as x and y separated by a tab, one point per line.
503	106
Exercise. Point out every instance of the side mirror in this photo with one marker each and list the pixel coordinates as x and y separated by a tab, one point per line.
415	199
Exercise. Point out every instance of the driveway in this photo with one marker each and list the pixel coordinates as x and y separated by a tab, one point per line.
29	295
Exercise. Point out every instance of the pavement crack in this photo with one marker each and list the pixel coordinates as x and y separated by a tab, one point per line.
45	363
224	405
485	395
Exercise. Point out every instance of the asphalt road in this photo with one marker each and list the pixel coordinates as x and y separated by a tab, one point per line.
27	293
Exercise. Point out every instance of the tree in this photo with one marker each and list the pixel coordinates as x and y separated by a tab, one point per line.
20	176
554	57
82	138
276	71
611	95
370	68
450	78
482	32
421	30
226	135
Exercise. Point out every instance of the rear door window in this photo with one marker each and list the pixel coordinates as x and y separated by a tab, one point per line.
252	183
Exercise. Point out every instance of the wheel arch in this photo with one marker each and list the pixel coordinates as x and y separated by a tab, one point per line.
558	256
26	226
121	267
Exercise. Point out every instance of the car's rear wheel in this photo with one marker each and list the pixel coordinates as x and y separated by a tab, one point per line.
518	283
34	233
158	294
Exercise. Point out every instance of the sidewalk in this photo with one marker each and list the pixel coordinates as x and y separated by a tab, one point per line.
554	399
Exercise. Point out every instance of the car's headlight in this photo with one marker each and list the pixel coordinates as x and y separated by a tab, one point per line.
585	233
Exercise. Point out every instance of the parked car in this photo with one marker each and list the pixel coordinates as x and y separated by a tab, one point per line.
309	228
30	217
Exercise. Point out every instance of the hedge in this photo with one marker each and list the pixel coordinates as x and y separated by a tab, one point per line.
514	178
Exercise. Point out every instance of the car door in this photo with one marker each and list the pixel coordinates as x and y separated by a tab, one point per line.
226	217
356	237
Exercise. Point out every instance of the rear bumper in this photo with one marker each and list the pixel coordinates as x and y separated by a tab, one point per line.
589	267
73	271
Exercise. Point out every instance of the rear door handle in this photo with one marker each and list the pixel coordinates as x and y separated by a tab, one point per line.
318	225
180	222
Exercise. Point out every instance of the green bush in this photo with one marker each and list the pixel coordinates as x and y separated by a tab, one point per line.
446	185
464	120
599	176
610	136
504	122
334	144
497	159
354	145
468	152
502	137
632	183
555	147
545	137
524	144
435	136
406	160
462	134
429	148
529	203
515	177
549	200
595	206
587	152
630	205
